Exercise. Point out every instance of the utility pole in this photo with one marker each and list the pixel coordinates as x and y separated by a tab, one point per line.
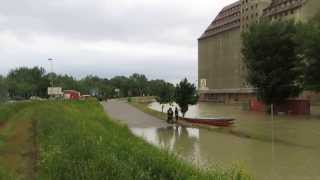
51	66
273	138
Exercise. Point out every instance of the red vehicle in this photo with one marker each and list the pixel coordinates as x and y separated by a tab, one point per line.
71	94
211	121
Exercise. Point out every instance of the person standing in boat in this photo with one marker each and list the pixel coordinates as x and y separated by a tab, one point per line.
176	114
170	115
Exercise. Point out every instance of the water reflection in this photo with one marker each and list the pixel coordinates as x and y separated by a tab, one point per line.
182	140
295	154
208	148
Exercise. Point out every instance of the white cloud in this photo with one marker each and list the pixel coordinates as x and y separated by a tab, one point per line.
155	37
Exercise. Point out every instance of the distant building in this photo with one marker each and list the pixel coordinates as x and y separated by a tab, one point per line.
221	71
55	91
71	94
85	97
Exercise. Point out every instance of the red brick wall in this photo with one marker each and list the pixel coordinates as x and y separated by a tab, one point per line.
293	107
256	105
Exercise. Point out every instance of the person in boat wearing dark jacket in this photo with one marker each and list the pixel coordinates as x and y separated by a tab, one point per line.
170	115
176	114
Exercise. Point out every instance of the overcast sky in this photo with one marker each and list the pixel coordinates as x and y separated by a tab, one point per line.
105	37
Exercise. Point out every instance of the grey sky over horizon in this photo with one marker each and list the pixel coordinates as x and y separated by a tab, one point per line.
157	38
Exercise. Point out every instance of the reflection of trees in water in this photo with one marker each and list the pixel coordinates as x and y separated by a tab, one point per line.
178	139
166	136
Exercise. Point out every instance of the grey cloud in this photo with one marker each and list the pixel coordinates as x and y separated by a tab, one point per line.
100	20
105	37
111	65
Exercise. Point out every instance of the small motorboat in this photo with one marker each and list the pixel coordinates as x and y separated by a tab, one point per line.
219	121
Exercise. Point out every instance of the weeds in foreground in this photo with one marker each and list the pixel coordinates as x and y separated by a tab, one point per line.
76	140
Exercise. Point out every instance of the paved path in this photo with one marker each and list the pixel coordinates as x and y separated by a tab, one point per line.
127	114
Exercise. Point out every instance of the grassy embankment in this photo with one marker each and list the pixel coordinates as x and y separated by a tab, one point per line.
17	142
76	140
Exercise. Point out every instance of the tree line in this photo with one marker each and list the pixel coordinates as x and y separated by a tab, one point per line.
24	82
282	58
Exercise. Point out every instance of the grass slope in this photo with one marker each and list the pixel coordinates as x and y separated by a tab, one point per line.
17	142
76	140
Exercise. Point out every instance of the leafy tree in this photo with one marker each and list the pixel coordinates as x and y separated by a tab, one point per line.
165	93
138	84
22	83
185	95
43	85
122	83
97	87
270	51
3	89
26	82
66	82
153	87
310	46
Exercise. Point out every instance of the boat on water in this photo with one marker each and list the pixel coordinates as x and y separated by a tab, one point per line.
218	121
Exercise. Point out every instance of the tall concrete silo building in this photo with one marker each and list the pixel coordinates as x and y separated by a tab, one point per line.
221	71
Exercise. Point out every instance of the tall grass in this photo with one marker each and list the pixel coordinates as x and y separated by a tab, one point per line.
7	110
76	140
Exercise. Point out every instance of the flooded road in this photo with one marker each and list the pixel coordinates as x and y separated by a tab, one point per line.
293	153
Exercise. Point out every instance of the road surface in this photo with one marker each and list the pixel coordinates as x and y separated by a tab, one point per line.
125	113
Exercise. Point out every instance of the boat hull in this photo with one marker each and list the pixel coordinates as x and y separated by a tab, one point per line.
223	122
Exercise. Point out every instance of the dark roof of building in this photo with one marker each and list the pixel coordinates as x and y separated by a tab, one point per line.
231	5
280	6
227	19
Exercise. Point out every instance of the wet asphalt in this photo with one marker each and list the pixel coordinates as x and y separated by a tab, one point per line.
124	113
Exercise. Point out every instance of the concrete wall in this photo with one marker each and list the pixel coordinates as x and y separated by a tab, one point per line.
310	9
314	97
251	12
219	60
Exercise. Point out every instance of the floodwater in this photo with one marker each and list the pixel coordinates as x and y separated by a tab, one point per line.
286	148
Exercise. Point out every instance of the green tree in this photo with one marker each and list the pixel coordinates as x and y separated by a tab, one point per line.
165	93
138	84
26	82
121	83
310	46
65	81
95	86
185	95
3	89
270	52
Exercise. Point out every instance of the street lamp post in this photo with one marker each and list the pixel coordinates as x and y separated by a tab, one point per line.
51	66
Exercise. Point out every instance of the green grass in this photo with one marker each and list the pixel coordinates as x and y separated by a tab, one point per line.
16	141
7	110
76	140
